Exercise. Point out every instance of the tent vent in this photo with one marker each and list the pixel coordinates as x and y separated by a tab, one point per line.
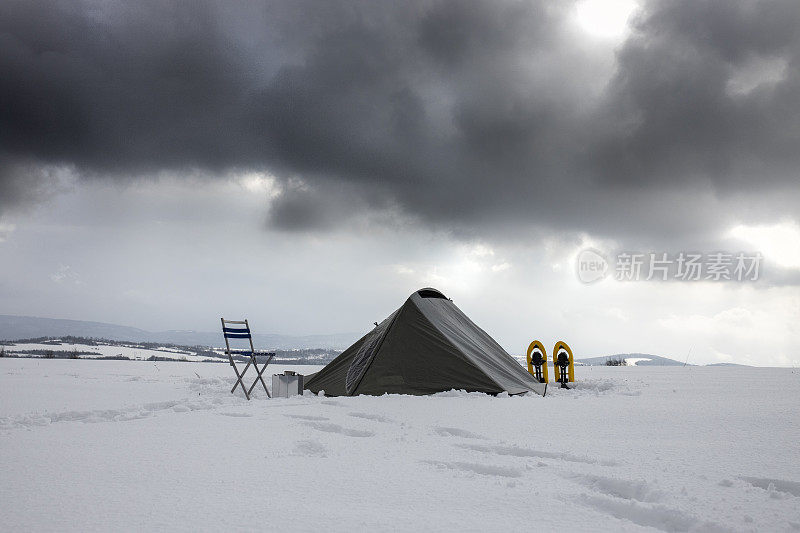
431	293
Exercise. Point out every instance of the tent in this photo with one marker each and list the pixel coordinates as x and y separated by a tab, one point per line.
426	346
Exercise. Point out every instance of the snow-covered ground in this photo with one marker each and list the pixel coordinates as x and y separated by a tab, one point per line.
124	445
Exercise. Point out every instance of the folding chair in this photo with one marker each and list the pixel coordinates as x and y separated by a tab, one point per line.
244	333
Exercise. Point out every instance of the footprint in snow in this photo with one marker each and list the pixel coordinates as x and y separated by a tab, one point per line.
336	428
370	416
456	432
776	487
477	468
310	448
517	451
619	488
308	417
656	516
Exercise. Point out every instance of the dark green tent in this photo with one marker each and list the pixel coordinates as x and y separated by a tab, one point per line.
426	346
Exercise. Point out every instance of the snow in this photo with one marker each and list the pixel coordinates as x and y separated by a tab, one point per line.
633	361
91	444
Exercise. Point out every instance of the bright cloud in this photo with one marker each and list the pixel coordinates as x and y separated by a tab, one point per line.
778	242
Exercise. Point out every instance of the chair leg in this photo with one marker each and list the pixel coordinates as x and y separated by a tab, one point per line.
237	373
262	372
239	378
260	377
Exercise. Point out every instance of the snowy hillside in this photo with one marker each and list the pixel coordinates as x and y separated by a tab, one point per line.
24	327
56	349
78	348
633	359
157	445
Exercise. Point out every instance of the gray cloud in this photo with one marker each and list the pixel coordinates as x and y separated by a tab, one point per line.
674	119
301	210
463	115
23	182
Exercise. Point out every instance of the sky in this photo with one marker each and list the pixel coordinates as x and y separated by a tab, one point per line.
309	164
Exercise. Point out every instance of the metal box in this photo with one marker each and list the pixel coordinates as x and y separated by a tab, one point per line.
287	384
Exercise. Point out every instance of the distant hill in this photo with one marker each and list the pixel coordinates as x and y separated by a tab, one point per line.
637	359
27	327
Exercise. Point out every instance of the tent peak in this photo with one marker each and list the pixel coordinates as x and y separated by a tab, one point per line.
430	292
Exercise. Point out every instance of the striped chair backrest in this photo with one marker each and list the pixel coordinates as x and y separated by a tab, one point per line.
241	330
236	333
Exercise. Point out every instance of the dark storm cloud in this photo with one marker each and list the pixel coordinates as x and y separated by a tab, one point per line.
460	113
677	117
118	89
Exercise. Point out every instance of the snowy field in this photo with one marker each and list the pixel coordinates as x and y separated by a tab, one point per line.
124	445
